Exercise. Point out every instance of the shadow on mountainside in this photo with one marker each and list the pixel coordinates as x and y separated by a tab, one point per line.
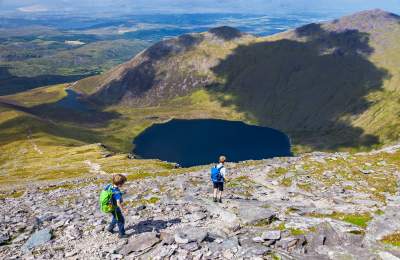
304	87
11	84
70	117
20	128
70	109
74	109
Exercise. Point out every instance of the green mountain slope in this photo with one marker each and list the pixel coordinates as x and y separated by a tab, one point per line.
329	86
26	65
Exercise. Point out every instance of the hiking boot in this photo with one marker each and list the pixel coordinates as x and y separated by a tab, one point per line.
215	199
110	230
220	200
123	236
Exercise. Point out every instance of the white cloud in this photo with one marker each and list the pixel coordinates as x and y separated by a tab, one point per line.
33	9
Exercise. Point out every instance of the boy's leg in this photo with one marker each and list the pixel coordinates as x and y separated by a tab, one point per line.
120	222
221	189
113	223
215	191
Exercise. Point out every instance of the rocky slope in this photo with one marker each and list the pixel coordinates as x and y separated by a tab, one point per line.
316	206
328	85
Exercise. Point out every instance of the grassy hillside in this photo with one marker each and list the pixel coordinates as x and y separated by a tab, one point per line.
31	63
37	147
329	86
40	114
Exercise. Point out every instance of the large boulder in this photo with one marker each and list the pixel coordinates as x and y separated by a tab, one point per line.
38	238
140	243
227	220
324	235
190	234
255	215
383	225
271	235
253	251
226	244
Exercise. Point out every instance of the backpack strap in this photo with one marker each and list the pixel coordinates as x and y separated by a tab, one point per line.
109	188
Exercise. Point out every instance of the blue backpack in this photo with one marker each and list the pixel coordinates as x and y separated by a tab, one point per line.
216	174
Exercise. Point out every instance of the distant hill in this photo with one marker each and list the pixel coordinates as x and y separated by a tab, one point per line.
329	86
28	65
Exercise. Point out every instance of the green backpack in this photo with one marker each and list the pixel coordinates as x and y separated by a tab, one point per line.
105	200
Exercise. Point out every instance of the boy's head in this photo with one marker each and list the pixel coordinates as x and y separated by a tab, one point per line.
118	180
222	159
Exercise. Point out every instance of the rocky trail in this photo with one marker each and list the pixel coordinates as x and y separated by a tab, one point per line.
315	206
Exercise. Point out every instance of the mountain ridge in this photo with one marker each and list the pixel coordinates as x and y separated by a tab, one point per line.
346	67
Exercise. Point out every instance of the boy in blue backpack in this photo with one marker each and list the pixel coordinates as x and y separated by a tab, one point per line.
218	173
117	218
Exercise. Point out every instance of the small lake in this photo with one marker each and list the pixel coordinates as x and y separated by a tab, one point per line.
201	141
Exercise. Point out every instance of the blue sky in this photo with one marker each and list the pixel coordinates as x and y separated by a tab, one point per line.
195	6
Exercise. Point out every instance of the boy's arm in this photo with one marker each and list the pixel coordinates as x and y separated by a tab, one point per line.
121	206
223	172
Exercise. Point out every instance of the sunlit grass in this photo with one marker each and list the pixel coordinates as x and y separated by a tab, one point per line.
359	219
392	239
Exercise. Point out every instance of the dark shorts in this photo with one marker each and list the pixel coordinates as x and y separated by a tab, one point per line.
219	186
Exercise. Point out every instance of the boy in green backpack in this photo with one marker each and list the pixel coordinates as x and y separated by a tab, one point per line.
116	205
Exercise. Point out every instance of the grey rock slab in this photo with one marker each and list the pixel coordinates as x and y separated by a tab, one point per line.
287	242
224	245
327	235
116	256
191	247
252	215
38	238
167	238
271	235
227	219
351	252
387	256
140	243
19	239
190	234
71	253
368	203
258	239
73	232
256	250
246	241
163	252
197	216
98	229
383	225
181	238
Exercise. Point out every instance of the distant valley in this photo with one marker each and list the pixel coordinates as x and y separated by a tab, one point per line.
40	51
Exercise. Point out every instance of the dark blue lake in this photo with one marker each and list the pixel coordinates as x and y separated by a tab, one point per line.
201	141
